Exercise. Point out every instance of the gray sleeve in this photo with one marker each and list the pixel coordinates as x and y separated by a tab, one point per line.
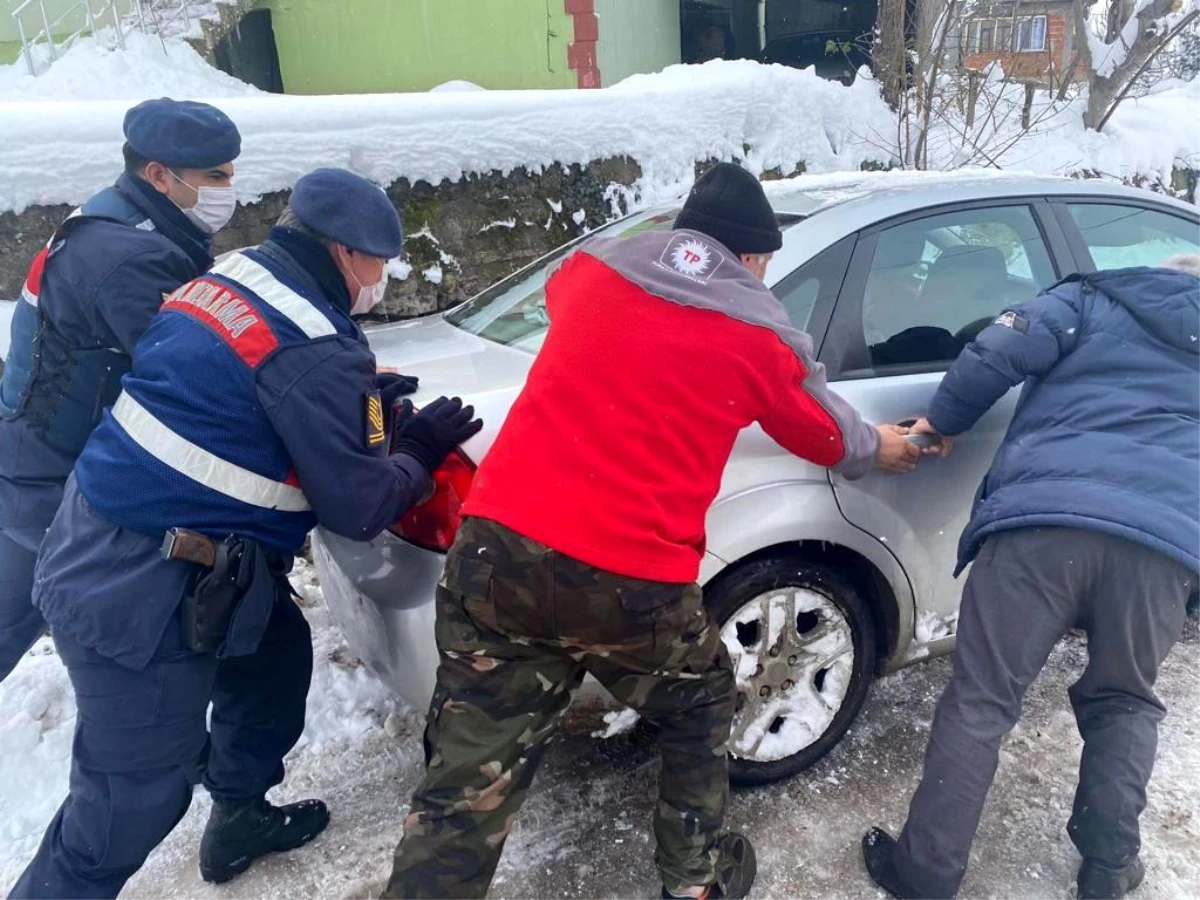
860	439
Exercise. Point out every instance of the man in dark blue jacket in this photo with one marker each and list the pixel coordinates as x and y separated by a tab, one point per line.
1089	518
90	294
253	411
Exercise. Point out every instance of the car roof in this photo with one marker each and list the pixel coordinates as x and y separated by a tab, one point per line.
896	193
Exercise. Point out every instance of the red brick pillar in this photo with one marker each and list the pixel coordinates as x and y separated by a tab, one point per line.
581	54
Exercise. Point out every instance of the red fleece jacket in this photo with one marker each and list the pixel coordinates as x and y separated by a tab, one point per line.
614	450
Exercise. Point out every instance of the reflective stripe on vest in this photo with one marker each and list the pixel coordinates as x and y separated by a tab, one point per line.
199	465
31	290
239	268
32	287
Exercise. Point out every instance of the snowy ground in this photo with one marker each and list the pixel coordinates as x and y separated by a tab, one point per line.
585	831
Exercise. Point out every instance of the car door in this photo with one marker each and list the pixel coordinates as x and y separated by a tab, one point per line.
920	288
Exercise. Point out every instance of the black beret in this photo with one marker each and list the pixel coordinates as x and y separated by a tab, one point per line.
182	133
347	208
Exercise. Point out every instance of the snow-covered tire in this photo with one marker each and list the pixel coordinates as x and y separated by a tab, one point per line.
802	644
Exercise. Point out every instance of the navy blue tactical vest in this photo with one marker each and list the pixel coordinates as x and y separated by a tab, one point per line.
62	389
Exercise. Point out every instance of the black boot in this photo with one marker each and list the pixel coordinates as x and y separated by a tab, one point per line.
879	850
1099	882
737	866
240	831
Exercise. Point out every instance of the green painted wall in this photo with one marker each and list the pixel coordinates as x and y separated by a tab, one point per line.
380	46
636	36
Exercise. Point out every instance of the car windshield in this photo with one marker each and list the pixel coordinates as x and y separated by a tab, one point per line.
513	311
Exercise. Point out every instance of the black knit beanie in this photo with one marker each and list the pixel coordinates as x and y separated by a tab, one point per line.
729	205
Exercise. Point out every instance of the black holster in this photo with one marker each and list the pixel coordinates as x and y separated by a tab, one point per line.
229	607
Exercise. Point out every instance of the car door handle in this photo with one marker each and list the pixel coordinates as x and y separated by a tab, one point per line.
923	441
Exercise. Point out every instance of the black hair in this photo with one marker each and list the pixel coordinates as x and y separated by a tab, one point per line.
135	163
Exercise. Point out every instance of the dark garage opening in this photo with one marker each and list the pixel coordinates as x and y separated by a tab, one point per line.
249	52
831	35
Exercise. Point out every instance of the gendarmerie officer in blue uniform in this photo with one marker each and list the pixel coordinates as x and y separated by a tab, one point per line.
253	411
90	293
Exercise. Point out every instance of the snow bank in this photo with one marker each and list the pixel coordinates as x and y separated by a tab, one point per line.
7	308
94	69
770	117
1146	137
37	718
456	87
666	122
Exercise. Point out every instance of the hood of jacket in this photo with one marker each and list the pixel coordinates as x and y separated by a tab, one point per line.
1165	302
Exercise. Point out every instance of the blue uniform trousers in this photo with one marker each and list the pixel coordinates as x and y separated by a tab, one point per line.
20	621
141	741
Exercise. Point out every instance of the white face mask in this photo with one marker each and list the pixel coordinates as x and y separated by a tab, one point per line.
369	296
214	206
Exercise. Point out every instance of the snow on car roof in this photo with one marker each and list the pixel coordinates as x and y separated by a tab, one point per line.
808	194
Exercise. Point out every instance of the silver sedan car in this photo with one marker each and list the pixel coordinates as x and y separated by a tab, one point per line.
818	584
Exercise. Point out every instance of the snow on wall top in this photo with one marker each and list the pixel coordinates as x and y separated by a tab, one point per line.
62	152
60	148
95	69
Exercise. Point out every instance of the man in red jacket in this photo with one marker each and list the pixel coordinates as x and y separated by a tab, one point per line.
661	348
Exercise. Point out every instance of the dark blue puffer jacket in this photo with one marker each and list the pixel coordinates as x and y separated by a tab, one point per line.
1106	435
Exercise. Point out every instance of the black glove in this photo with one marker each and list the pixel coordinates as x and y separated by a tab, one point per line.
392	387
402	413
432	433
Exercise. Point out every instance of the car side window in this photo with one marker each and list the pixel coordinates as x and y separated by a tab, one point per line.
1119	236
935	283
818	280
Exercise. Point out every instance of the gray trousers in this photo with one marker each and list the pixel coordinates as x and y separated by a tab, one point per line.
1027	589
20	622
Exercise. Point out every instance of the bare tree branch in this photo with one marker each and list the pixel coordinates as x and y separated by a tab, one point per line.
1102	89
1171	35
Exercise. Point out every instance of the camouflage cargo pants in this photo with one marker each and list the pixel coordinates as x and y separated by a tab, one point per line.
518	626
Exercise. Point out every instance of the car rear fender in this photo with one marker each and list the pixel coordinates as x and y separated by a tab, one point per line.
806	512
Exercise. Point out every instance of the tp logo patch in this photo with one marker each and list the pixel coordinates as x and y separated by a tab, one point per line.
375	430
692	258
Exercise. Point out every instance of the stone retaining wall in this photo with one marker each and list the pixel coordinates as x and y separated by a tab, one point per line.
459	236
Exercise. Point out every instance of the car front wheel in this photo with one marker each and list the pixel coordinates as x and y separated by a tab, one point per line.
802	645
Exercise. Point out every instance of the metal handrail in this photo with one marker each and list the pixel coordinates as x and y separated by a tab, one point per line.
148	16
